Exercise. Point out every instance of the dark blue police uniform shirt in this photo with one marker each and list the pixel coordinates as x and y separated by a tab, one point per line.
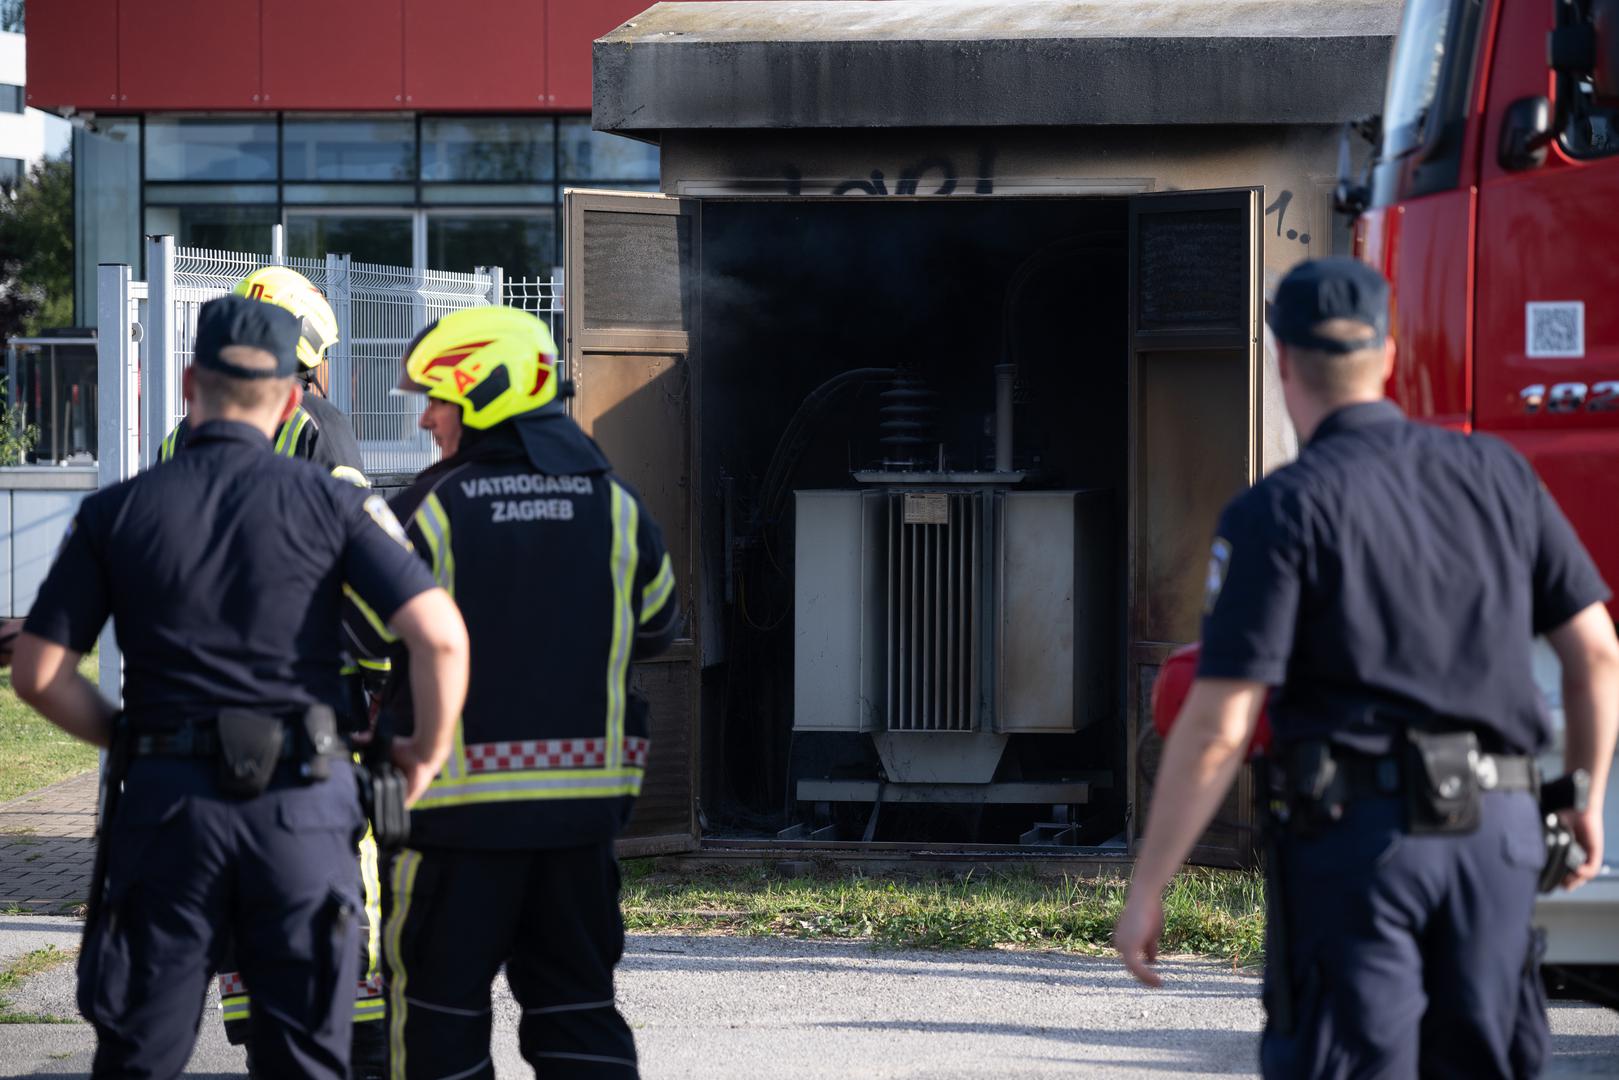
1395	572
223	572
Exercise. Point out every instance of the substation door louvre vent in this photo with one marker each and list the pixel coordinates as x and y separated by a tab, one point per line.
933	618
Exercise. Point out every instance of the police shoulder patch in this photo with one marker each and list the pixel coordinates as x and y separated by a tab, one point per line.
377	507
1219	561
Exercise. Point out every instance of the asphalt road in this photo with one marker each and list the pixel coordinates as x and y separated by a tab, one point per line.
721	1008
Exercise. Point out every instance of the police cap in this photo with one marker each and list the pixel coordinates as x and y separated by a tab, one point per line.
1319	290
236	320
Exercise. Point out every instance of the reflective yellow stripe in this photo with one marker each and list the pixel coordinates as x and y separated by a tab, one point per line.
352	475
378	627
434	524
286	443
375	1009
166	450
657	593
384	664
536	785
373	905
235	1008
624	555
455	766
404	885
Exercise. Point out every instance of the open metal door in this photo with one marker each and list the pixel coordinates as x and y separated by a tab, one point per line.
631	311
1195	355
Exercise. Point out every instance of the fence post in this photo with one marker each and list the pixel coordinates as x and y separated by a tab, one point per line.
117	425
340	359
278	245
160	373
497	286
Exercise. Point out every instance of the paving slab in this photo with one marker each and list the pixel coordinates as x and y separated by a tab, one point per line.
47	847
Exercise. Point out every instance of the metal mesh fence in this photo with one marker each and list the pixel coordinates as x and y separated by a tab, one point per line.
541	296
378	308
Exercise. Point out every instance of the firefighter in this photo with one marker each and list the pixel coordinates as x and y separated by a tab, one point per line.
316	429
1388	582
231	807
563	579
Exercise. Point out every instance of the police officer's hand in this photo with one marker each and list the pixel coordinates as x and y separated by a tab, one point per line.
1586	825
1136	934
418	773
9	629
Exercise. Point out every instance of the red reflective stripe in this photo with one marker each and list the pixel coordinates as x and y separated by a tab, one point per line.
522	755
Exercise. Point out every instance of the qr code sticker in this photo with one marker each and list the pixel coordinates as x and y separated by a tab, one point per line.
1555	329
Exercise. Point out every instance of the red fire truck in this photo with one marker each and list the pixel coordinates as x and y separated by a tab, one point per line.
1492	204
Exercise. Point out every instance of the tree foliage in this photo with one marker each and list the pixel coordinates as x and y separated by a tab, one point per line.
36	251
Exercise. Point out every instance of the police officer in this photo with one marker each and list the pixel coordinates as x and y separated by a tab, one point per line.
563	579
232	806
1388	583
317	429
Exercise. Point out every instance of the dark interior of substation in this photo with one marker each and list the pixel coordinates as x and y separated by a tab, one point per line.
808	310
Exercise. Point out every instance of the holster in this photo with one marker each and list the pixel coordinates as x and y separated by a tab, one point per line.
318	743
382	791
1441	781
249	748
1563	853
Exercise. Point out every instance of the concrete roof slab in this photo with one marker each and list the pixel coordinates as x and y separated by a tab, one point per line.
904	63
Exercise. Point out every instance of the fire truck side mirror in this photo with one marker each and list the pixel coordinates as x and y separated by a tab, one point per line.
1348	196
1526	131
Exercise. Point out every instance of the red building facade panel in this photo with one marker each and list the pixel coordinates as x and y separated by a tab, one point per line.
73	54
486	55
247	55
174	54
356	61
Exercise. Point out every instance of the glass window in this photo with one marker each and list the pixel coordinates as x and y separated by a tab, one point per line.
521	243
511	148
186	149
1414	70
106	204
350	194
348	149
12	171
224	228
183	194
488	193
372	238
599	155
11	98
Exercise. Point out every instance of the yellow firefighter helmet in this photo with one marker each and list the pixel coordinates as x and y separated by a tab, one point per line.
495	362
288	288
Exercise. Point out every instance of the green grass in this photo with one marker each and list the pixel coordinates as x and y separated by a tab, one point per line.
33	751
27	966
1206	913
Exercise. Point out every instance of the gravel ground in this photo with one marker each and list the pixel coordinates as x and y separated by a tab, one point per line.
721	1008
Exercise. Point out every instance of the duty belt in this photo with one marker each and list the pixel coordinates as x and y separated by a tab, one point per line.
195	741
1441	777
1367	777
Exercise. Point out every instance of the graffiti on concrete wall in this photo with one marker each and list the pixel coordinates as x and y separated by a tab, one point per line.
1279	208
934	175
